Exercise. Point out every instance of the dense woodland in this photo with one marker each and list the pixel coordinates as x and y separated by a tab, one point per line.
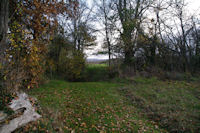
49	39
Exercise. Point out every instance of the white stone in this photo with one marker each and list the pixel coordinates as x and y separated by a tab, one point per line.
28	115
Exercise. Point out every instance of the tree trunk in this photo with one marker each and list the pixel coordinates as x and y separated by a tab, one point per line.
128	51
126	20
4	12
107	33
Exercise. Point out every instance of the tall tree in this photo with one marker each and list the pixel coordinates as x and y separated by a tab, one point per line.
31	28
4	16
130	15
104	15
79	27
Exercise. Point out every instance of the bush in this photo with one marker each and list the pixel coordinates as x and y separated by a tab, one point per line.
76	67
71	67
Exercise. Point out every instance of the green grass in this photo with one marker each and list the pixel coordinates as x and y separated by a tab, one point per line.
96	72
88	107
175	105
123	105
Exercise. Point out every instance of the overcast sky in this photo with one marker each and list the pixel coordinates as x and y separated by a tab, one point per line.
193	7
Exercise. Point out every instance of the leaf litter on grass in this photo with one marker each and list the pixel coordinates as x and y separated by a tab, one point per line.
88	107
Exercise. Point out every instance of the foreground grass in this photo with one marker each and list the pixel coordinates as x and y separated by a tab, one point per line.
175	105
124	105
86	107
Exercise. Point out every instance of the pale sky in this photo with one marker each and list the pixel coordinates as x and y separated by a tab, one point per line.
193	7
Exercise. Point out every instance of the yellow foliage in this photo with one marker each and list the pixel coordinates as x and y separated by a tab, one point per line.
25	55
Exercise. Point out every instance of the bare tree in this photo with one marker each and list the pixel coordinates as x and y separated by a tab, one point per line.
104	11
79	27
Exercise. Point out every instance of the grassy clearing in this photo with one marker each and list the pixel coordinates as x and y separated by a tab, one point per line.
123	105
175	105
96	72
87	107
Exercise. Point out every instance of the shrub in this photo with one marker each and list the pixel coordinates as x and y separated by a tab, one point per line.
71	65
76	67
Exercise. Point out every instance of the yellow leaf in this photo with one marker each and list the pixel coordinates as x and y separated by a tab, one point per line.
83	124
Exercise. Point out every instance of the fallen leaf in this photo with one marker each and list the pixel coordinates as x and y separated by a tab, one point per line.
73	131
83	124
